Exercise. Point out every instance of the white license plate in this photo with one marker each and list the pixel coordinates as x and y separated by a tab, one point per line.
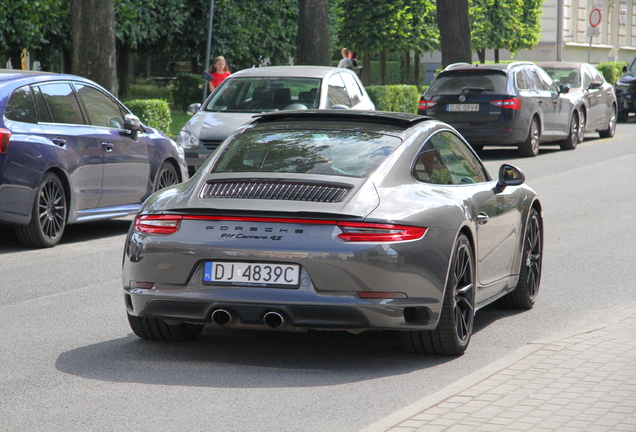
462	107
252	274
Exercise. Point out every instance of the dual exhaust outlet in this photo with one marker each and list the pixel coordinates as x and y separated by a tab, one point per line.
271	319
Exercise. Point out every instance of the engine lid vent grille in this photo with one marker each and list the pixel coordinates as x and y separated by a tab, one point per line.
275	190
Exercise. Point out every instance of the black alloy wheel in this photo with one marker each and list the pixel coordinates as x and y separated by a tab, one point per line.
570	142
527	289
455	327
167	176
48	216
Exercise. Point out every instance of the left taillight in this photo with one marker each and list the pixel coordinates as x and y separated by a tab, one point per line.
514	104
157	224
370	232
5	135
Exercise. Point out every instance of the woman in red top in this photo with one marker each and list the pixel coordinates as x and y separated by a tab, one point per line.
219	72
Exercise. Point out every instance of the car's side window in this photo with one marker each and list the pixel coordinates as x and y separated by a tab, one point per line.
355	94
445	159
548	83
21	106
337	93
520	81
44	115
62	104
102	110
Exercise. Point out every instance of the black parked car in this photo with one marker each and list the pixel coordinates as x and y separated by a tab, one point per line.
70	152
503	104
626	92
593	97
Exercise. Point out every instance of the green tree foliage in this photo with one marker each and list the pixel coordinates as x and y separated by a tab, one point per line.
505	24
42	27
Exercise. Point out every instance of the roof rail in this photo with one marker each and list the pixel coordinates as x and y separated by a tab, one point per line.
454	65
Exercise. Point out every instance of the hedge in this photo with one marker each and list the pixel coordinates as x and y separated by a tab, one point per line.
611	71
397	98
187	89
152	112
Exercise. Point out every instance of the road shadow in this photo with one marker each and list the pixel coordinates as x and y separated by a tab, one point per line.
237	358
72	233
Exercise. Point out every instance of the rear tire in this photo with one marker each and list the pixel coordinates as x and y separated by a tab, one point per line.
167	176
611	125
455	326
573	136
530	147
48	215
527	290
156	329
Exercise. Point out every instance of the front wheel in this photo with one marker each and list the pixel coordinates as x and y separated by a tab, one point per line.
611	125
527	289
530	147
455	326
156	329
572	139
48	216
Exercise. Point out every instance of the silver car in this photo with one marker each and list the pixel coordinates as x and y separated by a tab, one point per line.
343	220
252	91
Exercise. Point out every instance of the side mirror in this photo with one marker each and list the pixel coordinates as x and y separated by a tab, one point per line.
594	85
510	175
132	124
193	108
624	69
564	88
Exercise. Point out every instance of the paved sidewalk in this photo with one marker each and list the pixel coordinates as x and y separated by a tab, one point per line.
579	382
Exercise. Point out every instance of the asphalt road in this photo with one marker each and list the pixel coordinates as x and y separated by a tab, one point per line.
68	360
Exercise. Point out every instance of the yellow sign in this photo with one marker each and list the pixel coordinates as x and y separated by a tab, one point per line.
25	59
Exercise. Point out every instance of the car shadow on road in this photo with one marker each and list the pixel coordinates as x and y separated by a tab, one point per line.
72	234
237	358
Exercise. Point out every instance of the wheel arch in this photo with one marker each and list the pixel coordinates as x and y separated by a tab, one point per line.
66	183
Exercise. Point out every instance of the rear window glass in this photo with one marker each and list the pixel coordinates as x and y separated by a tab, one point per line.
355	154
21	107
260	94
462	82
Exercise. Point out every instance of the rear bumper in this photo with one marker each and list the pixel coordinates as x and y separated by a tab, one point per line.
298	309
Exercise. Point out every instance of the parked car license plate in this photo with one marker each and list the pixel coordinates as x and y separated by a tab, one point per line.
462	107
252	274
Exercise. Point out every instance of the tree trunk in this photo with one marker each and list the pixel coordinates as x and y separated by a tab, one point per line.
93	26
366	69
313	39
496	55
481	53
454	30
382	78
148	67
407	67
416	68
132	78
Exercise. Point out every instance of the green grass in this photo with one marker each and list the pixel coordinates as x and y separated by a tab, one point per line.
178	120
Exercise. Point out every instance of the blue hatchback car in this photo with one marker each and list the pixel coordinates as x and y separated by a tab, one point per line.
71	152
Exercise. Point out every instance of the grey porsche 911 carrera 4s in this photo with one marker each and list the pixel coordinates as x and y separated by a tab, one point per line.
336	220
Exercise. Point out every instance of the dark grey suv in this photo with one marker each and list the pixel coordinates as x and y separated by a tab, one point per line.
503	104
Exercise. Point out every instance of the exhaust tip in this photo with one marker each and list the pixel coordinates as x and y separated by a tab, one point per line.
222	317
273	319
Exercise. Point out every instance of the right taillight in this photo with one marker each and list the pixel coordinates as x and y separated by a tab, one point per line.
158	224
5	135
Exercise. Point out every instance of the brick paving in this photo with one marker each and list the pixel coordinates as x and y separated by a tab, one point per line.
581	382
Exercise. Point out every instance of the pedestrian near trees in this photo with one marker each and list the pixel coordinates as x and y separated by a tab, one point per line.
219	72
346	61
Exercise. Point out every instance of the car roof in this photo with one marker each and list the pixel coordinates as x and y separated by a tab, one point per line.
400	120
485	66
289	71
561	65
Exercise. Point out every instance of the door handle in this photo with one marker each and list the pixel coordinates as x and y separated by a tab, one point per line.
59	141
108	146
482	218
